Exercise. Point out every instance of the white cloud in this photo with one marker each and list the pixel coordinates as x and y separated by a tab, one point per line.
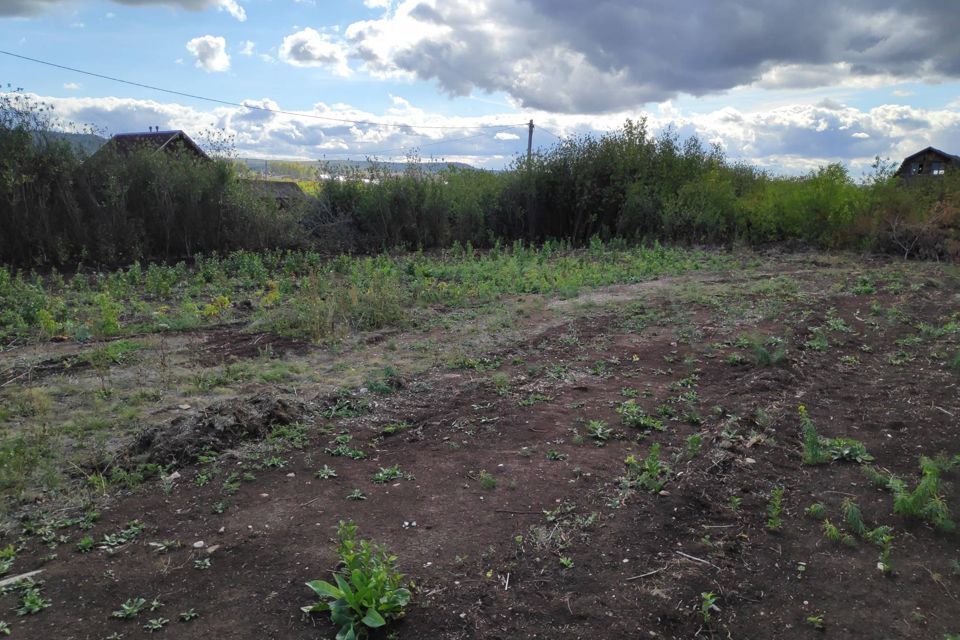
210	53
310	48
233	8
246	49
71	86
791	138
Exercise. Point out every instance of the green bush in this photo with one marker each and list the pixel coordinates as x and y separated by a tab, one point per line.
369	592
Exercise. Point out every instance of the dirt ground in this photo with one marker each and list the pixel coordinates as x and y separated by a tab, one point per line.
513	520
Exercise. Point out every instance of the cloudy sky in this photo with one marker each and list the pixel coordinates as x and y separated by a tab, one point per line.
787	85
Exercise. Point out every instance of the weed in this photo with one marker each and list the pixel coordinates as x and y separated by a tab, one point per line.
501	383
765	356
816	511
85	544
693	445
394	428
4	628
820	450
487	481
357	495
633	415
124	536
775	510
164	546
130	609
735	503
651	473
388	474
325	473
32	602
188	615
534	398
201	564
816	622
853	516
369	591
155	624
553	454
708	604
926	501
599	431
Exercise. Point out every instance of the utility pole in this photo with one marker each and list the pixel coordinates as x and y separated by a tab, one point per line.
530	141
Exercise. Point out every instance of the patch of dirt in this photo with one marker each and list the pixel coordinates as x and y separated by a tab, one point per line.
220	347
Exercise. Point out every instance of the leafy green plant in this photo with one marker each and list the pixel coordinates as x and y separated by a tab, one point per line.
553	454
4	628
816	511
708	604
820	450
487	481
325	473
853	517
633	415
651	473
816	621
356	495
775	509
201	564
130	609
388	474
369	591
599	431
155	624
32	602
735	503
188	615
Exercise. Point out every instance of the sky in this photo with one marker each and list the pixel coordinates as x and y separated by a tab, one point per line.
782	84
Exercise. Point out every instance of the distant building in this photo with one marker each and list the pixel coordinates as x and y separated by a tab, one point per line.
929	162
173	142
284	192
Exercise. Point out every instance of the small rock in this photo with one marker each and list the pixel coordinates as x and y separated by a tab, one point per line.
173	476
183	407
198	544
291	475
750	461
212	548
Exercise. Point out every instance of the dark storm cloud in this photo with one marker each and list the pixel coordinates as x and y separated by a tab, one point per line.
25	7
567	55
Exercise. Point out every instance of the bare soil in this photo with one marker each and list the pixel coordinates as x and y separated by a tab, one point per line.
485	561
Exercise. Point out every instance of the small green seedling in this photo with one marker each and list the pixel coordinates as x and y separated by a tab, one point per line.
816	511
190	614
775	510
708	604
357	494
202	564
155	624
816	622
32	601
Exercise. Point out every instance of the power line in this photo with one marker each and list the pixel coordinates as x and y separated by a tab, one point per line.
550	132
254	107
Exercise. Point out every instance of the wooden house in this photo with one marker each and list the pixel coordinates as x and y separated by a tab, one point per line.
928	162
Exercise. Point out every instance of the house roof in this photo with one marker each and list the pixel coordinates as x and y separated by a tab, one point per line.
279	189
949	157
127	143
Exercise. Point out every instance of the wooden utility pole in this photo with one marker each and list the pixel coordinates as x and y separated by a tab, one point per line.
530	141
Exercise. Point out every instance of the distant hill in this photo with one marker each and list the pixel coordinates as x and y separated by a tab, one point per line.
307	169
86	144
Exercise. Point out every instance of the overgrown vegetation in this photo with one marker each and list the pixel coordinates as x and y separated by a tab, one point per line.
626	184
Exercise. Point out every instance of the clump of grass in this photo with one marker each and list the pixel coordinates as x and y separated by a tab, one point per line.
766	354
816	511
487	481
853	516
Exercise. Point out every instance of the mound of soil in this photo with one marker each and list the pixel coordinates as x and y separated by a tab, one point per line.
219	427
